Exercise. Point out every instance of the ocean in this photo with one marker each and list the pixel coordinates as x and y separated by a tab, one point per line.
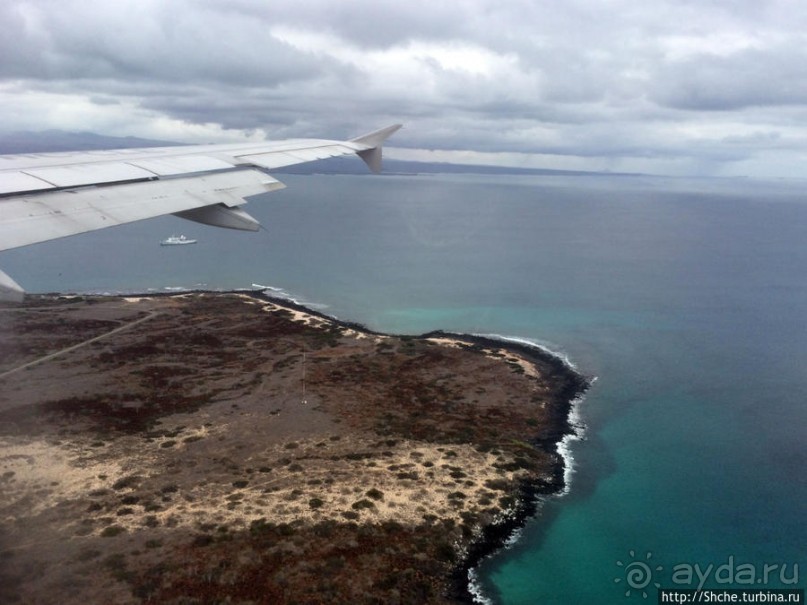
685	298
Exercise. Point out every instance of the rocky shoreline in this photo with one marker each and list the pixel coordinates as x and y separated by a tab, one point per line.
529	493
195	418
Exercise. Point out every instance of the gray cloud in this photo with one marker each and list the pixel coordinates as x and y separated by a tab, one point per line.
653	85
772	77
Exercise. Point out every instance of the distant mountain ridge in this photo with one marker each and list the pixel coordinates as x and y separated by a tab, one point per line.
59	140
347	165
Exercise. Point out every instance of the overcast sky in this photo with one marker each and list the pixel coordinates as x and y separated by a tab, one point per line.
702	87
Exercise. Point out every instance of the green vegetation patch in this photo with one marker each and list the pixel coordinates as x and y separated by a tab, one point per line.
363	503
126	482
112	531
375	494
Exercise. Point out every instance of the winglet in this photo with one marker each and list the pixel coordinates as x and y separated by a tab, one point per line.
377	137
374	140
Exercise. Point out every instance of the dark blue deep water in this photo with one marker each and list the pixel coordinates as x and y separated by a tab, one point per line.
687	299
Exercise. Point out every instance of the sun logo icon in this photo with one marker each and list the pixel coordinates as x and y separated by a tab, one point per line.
638	574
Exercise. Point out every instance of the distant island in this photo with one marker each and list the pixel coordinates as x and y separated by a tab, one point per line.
204	447
58	140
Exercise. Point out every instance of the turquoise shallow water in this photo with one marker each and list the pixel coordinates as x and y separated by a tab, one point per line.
686	299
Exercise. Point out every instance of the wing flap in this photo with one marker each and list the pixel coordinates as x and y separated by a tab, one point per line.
90	174
16	181
185	164
38	218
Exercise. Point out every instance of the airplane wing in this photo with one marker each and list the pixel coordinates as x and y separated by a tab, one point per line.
45	196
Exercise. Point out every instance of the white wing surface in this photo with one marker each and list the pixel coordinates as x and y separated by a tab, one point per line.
45	196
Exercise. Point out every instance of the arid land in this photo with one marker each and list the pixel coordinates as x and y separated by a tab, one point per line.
210	448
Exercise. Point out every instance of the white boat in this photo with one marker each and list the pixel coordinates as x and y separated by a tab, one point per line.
177	240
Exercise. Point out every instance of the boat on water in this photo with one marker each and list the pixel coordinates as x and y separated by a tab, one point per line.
177	240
